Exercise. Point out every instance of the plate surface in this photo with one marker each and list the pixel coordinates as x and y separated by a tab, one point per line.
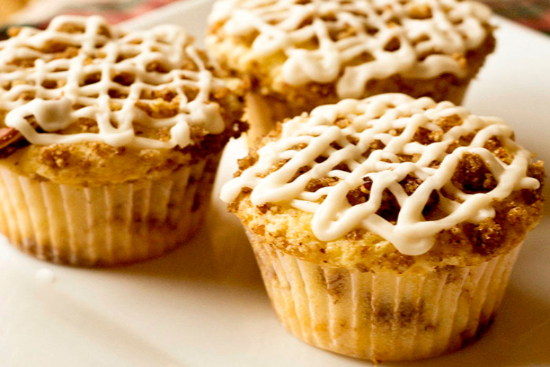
204	305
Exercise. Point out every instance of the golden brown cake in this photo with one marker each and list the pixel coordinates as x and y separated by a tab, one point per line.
301	54
387	228
110	141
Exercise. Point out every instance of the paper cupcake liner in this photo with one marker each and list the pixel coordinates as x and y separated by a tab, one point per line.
106	225
383	316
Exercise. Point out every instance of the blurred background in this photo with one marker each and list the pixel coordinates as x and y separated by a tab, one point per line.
532	13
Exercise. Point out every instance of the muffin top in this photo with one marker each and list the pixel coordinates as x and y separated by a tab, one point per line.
348	42
82	92
389	177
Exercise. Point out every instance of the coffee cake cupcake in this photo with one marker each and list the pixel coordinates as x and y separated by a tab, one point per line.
110	140
301	54
387	228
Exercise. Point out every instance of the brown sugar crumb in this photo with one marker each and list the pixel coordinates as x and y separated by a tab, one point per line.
318	183
117	93
466	140
342	167
393	45
88	125
246	162
68	53
55	158
275	167
408	157
352	139
27	96
447	123
342	123
106	151
420	11
536	170
361	194
71	28
159	108
389	207
321	90
339	34
375	145
168	94
299	147
515	215
53	46
13	31
299	172
510	213
410	184
452	146
426	137
157	66
485	237
356	197
472	175
125	79
494	144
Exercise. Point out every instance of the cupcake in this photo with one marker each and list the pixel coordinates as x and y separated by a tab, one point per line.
301	54
387	228
109	140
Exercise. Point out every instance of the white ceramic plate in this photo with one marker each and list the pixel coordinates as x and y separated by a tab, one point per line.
204	305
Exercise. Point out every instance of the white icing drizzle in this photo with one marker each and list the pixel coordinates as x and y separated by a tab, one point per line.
378	118
106	55
453	28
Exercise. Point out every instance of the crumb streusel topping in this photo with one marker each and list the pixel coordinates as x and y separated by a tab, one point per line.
405	169
82	80
353	42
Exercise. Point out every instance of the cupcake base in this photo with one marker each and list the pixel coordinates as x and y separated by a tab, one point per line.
106	225
383	316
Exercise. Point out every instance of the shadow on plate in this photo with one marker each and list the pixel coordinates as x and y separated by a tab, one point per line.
520	336
219	253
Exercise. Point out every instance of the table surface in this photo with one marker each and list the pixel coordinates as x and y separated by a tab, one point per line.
531	13
205	305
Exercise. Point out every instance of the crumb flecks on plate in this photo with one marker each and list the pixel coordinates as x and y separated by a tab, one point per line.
45	276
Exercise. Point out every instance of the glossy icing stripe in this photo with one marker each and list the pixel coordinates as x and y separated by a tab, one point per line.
105	51
352	42
378	118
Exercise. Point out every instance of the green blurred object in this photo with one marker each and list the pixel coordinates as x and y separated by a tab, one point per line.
531	13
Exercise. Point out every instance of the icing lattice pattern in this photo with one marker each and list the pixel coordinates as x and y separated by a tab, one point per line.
83	80
347	162
352	42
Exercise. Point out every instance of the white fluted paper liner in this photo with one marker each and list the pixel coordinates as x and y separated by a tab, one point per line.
105	225
383	316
